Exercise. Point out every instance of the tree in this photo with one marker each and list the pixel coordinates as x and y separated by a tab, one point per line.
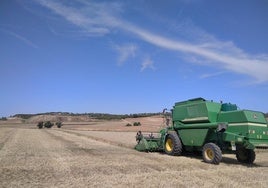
3	119
136	124
48	124
128	125
40	124
59	124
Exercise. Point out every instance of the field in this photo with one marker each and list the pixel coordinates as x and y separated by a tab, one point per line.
101	154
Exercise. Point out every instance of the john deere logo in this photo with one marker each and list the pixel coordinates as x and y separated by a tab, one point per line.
255	116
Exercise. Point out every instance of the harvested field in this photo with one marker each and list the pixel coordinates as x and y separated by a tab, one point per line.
31	157
149	124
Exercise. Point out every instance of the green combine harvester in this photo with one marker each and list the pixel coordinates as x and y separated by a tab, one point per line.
210	127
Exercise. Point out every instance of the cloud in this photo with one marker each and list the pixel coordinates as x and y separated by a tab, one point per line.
21	38
101	18
96	19
147	63
208	75
223	54
125	52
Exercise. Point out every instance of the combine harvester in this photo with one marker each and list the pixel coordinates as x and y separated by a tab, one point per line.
210	127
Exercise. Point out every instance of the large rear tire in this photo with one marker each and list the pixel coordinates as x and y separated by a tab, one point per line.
212	153
244	155
173	144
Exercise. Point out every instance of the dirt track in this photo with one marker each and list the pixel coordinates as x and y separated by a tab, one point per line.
62	158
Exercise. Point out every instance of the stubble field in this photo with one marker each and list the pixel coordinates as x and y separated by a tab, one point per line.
86	156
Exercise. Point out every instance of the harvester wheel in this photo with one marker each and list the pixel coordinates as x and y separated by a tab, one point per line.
173	144
244	155
212	153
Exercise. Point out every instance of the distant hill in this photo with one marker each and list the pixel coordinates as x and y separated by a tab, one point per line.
66	116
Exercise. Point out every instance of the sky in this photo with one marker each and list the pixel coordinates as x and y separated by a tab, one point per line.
124	57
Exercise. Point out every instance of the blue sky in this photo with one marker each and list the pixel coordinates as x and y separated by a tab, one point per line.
131	56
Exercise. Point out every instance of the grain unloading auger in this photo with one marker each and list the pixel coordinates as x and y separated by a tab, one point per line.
210	127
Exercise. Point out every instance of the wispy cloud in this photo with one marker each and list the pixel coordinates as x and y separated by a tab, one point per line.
98	19
125	52
147	63
223	54
21	38
208	75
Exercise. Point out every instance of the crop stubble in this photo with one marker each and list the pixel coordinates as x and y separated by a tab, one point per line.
64	158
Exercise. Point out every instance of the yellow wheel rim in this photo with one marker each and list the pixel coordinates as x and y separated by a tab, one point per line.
209	154
169	145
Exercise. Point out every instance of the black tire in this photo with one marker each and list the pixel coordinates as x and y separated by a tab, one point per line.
244	155
211	153
173	144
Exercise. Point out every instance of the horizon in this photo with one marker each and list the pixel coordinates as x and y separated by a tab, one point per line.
126	57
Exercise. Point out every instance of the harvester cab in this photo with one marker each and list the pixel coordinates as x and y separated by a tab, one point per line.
210	127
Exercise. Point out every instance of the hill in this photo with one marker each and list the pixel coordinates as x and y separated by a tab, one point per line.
71	117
